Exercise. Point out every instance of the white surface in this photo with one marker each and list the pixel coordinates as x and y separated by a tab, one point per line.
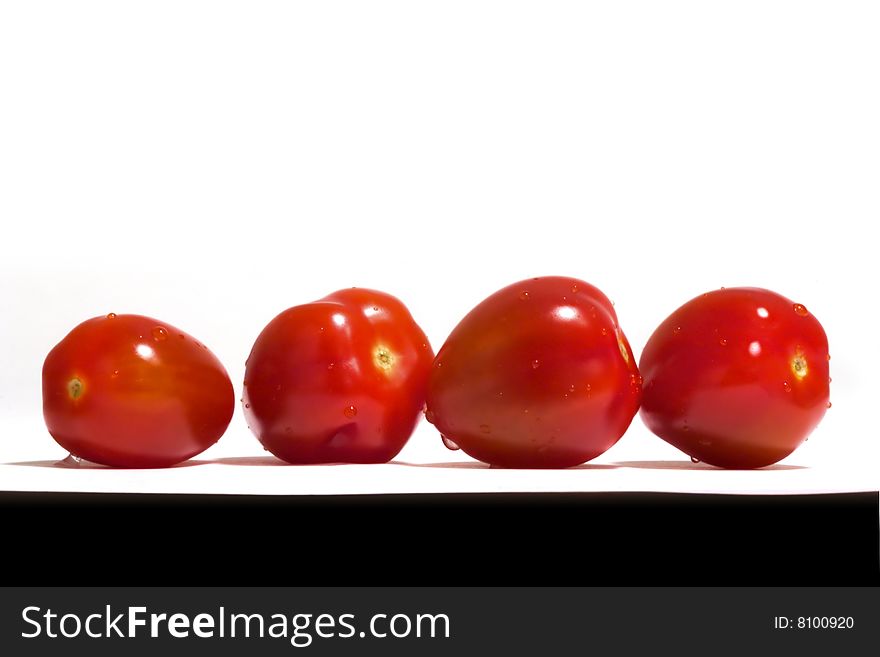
212	163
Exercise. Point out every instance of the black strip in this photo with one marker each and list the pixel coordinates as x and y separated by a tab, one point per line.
485	539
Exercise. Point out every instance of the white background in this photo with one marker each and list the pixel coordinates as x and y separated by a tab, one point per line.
212	163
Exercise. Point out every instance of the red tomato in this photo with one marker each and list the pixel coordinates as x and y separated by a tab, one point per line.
134	392
341	379
737	378
537	375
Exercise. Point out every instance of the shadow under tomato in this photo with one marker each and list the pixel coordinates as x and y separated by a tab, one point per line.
64	464
690	465
477	465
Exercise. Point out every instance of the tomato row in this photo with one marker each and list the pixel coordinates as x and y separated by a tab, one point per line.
539	374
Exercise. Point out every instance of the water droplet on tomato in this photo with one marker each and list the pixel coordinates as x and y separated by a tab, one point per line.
331	366
571	388
182	337
786	385
829	379
574	288
536	364
247	405
70	461
827	356
801	310
676	330
159	333
604	331
429	416
524	295
350	411
485	428
829	405
111	315
449	444
694	459
635	379
723	342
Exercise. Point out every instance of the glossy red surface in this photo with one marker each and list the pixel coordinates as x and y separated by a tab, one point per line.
131	391
341	379
537	375
736	378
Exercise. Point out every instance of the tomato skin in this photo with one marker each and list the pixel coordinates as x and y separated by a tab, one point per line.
736	378
134	392
338	380
538	375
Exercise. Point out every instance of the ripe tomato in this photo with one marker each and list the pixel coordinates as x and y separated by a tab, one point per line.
537	375
736	378
341	379
130	391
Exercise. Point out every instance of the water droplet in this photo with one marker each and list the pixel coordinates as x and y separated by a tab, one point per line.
635	379
604	331
524	295
828	405
574	288
449	444
111	315
438	364
485	428
247	405
694	459
571	388
159	333
526	411
115	373
829	379
429	416
350	411
589	390
331	366
278	387
723	342
786	385
801	310
536	364
676	330
71	461
763	313
375	309
827	356
183	337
